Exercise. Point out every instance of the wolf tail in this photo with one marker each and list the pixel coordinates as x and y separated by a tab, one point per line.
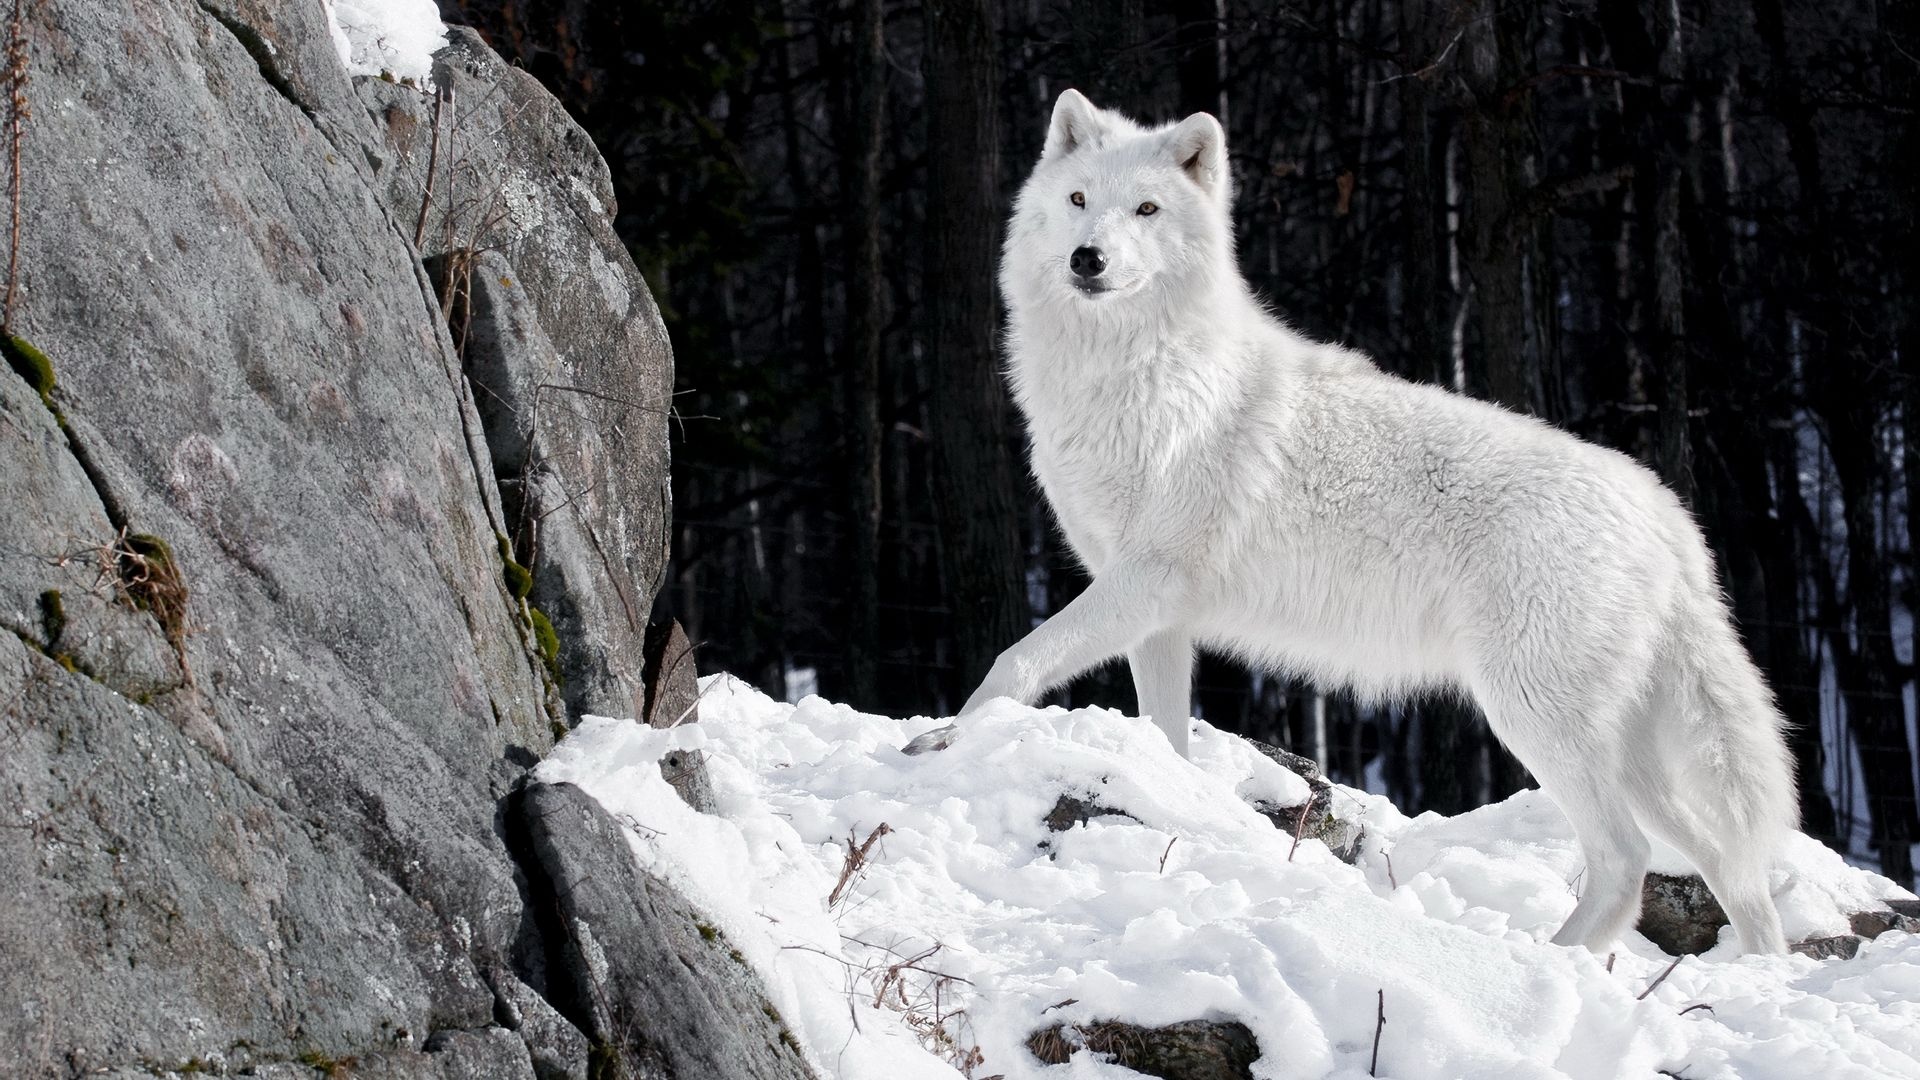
1737	749
1722	783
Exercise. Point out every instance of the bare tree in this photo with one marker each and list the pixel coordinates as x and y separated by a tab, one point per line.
972	456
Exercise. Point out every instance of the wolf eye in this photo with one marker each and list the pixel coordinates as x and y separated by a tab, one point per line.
1147	209
1078	198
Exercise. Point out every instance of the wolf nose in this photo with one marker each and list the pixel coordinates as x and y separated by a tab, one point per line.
1087	262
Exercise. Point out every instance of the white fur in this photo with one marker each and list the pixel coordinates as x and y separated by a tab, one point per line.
1233	485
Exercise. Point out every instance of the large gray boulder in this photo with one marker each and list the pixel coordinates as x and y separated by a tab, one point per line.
267	681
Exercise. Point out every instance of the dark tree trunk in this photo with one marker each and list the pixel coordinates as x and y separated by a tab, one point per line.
1499	231
1199	55
1669	252
1871	688
866	318
1109	53
972	459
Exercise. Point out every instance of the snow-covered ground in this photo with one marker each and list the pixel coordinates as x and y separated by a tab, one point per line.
1193	909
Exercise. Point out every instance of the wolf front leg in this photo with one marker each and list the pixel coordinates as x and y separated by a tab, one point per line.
1162	666
1124	607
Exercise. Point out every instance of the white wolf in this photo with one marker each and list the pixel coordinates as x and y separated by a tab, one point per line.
1233	485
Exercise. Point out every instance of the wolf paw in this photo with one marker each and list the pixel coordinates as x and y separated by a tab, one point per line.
938	739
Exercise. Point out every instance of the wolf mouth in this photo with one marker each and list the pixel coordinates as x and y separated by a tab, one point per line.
1090	289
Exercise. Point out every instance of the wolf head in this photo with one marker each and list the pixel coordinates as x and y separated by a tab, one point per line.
1114	209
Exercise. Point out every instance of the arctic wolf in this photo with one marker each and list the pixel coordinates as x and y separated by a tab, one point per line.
1233	485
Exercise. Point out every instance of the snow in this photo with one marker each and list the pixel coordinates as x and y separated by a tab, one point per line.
396	38
1191	908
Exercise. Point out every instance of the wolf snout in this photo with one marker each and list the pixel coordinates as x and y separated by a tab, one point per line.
1087	262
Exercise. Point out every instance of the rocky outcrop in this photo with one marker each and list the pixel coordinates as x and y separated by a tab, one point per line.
270	677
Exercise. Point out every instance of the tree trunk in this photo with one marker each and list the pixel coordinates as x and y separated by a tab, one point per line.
1500	231
866	318
1109	53
972	460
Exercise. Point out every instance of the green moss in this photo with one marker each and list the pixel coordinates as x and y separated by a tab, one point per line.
546	641
544	636
32	365
605	1063
519	578
707	932
558	729
53	616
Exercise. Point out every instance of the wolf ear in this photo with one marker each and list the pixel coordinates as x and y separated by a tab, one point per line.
1200	147
1076	123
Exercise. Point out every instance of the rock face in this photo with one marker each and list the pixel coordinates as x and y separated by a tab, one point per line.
268	682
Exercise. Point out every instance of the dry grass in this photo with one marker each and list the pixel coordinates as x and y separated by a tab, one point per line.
855	863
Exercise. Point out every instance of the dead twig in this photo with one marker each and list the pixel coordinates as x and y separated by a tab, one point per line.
1300	825
1164	854
856	861
1379	1024
1642	996
442	99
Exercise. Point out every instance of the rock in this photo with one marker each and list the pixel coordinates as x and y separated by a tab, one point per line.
571	364
928	742
558	1049
672	697
1909	908
1313	819
1840	947
633	965
1189	1050
266	833
561	463
1071	810
1679	914
1871	924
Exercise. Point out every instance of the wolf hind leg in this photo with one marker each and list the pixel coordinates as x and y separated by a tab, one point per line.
1580	767
1616	853
1162	666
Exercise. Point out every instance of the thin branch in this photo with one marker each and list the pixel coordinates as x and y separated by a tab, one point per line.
1379	1024
1662	978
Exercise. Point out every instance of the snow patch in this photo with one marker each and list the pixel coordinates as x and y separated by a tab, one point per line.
387	37
1190	908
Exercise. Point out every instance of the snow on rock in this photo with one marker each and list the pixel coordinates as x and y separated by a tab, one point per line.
968	926
394	38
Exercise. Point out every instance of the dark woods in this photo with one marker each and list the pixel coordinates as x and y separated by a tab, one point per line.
1679	228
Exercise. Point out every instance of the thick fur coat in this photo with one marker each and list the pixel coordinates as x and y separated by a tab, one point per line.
1235	486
